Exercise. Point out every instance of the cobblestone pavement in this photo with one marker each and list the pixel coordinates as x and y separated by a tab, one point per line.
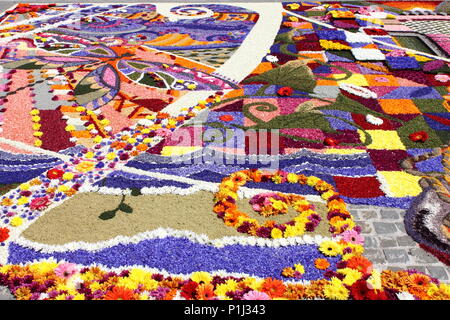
388	245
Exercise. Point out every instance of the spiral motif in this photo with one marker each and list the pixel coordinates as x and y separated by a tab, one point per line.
192	12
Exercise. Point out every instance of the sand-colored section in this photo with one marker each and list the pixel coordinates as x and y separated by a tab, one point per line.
77	219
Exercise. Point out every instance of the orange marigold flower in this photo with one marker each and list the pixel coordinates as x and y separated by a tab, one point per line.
360	263
273	287
232	217
270	224
162	115
321	263
288	272
141	147
120	293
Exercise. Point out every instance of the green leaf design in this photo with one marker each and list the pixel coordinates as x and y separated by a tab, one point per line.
295	74
125	208
285	37
26	64
135	192
106	215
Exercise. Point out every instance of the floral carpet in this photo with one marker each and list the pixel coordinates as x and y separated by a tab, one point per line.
209	152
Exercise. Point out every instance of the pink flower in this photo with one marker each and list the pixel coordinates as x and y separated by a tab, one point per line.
66	270
442	77
40	203
396	53
163	132
255	295
352	236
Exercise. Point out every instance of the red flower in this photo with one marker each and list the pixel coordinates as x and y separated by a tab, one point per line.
419	136
54	173
226	117
189	290
40	203
120	293
4	234
359	290
285	91
330	142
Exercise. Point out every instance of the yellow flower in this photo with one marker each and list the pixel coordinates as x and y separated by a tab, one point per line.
201	276
85	166
38	143
311	181
43	267
278	205
330	248
232	284
35	118
98	139
293	6
132	140
16	221
351	275
277	179
70	127
22	200
299	268
79	296
276	233
7	202
34	112
292	178
335	290
63	188
147	140
293	231
375	280
36	126
68	176
221	290
89	155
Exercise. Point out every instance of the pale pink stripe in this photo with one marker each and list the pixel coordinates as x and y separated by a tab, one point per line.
17	122
117	120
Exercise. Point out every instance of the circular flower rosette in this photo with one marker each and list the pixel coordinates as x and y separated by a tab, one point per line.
272	203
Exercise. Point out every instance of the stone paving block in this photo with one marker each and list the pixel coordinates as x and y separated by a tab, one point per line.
418	268
396	255
437	272
370	242
355	214
406	241
401	226
393	268
368	214
388	243
421	256
390	214
384	227
5	294
365	227
375	255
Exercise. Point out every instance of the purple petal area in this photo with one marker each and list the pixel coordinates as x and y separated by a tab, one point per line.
177	255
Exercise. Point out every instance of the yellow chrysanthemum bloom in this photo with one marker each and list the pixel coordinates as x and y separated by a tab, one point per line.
89	155
22	200
276	233
292	178
97	139
70	127
16	221
292	231
201	276
299	268
330	248
253	283
24	186
63	188
85	166
79	296
311	181
278	205
68	176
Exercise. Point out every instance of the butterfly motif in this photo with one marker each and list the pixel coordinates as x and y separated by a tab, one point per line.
113	65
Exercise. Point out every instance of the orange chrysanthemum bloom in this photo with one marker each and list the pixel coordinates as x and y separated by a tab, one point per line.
288	272
232	217
360	263
273	287
120	293
295	291
171	294
321	264
205	291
